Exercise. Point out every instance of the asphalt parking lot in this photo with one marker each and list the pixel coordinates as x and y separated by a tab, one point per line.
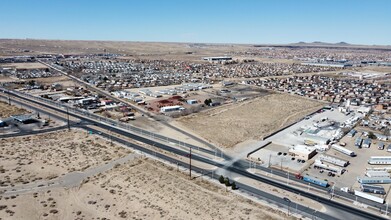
277	156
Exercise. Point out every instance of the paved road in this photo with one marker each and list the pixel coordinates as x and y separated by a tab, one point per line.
147	113
69	180
237	167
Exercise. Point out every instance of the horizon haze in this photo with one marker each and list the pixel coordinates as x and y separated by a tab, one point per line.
247	22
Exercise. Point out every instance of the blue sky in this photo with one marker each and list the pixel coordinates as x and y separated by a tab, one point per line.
214	21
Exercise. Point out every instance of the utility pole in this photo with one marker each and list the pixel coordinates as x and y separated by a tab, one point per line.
332	190
270	156
9	98
190	163
111	137
69	128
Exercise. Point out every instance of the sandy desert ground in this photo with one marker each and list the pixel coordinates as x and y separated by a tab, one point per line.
8	110
231	124
25	65
139	189
149	50
48	156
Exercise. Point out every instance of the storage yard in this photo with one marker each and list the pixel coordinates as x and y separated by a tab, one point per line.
347	163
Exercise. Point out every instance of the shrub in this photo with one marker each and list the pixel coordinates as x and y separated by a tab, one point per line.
233	186
226	182
221	179
371	135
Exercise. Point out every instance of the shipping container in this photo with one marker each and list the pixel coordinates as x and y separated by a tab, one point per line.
315	181
373	189
343	150
333	160
369	196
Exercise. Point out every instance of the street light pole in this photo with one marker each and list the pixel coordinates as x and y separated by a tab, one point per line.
269	160
281	164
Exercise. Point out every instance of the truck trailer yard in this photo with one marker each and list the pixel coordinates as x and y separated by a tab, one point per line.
335	166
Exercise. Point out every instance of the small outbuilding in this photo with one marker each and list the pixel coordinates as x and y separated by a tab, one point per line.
171	108
25	119
192	102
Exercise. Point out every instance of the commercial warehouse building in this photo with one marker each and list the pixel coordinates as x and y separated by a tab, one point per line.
316	139
217	59
302	152
339	65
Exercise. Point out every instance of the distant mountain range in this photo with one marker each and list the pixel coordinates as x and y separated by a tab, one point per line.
322	43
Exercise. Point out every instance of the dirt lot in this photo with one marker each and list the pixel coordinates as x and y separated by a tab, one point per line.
140	189
234	123
25	65
47	156
8	110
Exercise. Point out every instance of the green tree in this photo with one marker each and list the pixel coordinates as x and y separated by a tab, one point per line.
233	186
207	102
371	135
221	179
226	182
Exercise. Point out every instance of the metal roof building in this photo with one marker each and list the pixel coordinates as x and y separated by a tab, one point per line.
224	58
373	189
374	180
380	160
21	118
171	108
